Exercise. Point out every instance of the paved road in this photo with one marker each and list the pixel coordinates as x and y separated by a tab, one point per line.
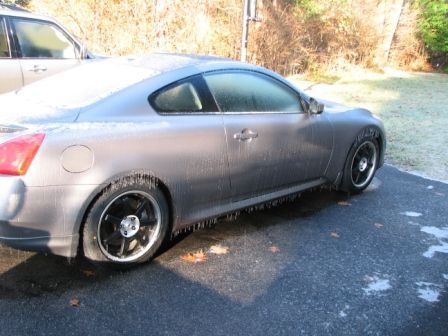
373	264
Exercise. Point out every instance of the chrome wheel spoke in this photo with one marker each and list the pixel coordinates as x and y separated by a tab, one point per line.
123	247
363	164
114	236
126	207
129	226
142	240
148	222
113	220
139	211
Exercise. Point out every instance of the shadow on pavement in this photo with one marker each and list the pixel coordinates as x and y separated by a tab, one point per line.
27	274
330	252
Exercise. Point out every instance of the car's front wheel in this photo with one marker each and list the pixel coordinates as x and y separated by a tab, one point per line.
126	224
361	164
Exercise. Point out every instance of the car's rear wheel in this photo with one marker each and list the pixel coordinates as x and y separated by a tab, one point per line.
126	224
361	164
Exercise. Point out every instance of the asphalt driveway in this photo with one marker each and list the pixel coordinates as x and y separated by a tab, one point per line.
325	264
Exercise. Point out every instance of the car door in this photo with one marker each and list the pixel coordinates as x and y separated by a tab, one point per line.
196	146
272	142
10	71
44	48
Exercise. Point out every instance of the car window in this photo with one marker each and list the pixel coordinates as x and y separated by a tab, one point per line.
180	98
4	49
42	40
186	96
251	92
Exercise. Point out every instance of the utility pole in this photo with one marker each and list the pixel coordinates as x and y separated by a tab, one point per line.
249	14
245	35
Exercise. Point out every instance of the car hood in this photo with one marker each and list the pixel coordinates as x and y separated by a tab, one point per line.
334	107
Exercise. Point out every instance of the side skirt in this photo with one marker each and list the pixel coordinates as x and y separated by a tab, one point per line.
210	216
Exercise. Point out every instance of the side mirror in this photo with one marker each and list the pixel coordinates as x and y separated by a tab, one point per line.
315	107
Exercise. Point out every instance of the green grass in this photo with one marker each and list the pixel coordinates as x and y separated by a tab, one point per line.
321	77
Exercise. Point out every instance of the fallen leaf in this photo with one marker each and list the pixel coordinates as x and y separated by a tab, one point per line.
378	225
88	273
335	235
195	257
219	249
344	203
75	303
274	249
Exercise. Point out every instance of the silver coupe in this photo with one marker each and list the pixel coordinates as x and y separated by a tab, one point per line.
110	158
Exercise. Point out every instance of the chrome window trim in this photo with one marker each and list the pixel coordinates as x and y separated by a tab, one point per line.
222	113
8	42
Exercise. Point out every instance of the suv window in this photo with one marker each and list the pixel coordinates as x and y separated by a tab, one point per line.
42	40
4	49
251	92
187	96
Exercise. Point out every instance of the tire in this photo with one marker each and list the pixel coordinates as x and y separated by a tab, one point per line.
361	164
126	224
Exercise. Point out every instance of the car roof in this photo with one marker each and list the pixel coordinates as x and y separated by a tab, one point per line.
85	84
93	81
166	62
13	10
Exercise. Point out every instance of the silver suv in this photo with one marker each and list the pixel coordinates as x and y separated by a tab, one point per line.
34	46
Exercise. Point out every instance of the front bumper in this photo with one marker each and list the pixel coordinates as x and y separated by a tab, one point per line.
44	219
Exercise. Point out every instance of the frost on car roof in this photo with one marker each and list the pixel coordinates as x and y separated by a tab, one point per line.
167	62
86	84
91	82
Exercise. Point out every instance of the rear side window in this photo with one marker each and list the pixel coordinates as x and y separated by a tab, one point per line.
180	98
251	92
186	96
4	48
43	40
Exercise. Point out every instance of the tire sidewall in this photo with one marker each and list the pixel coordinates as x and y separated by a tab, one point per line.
347	183
90	245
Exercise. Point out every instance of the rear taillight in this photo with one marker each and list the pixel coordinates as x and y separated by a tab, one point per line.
17	154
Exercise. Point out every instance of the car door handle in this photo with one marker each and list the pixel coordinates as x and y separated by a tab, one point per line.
245	135
38	68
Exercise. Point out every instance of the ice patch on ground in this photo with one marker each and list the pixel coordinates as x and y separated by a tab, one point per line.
430	187
445	276
435	231
342	313
439	233
411	213
428	291
442	248
376	285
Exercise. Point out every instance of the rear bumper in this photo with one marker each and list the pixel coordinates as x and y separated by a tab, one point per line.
43	219
63	246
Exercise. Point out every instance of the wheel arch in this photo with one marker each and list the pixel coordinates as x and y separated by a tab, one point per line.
344	143
141	174
369	130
